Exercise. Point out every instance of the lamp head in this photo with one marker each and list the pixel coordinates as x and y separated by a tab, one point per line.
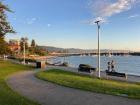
97	21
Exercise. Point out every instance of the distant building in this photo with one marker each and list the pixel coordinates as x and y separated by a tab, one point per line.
14	45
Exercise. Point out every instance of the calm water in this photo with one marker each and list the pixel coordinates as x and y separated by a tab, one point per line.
126	64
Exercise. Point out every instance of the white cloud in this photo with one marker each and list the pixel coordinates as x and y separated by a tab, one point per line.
31	21
106	8
133	16
92	21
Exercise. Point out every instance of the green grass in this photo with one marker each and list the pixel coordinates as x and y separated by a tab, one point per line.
88	83
7	96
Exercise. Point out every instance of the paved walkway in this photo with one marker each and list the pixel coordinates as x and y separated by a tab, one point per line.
48	93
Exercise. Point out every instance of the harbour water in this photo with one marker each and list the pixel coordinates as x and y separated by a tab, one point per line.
125	64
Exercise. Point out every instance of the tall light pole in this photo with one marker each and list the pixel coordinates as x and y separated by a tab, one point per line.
24	52
65	54
98	26
24	40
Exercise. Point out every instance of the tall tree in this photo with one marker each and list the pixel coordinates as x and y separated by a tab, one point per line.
40	51
4	24
33	44
33	47
4	27
4	49
22	41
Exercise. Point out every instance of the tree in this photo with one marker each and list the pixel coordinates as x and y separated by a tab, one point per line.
4	24
4	49
33	47
40	51
4	28
33	44
22	41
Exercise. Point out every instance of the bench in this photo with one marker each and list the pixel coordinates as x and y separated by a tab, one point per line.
86	68
117	74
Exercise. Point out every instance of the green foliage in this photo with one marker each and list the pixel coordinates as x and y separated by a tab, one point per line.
4	29
22	41
4	7
88	83
33	47
4	24
21	59
7	96
4	49
32	50
40	51
33	44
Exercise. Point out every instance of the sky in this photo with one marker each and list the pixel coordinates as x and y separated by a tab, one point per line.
70	23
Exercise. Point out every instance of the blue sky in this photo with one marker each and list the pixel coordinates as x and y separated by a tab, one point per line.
64	23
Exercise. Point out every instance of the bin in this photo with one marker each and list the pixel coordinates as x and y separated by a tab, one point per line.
41	64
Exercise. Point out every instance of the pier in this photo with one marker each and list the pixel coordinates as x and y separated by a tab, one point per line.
107	53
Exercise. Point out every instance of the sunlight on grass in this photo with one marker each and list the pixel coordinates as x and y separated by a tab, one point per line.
88	83
7	96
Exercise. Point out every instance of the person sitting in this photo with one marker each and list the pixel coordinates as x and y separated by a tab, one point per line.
112	66
108	66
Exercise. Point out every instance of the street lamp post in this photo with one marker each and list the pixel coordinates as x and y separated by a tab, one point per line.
24	41
24	52
65	54
97	22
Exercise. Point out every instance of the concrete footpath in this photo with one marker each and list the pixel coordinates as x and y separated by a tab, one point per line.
47	93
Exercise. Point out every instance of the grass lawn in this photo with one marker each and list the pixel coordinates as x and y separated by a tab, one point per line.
88	83
7	96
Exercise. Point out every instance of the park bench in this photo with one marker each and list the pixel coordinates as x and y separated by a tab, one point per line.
117	74
86	68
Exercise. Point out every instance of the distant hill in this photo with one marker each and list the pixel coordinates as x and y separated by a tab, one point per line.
51	49
76	50
69	50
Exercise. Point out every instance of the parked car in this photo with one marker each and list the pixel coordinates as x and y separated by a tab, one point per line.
86	68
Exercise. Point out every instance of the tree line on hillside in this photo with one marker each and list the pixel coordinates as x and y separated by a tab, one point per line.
32	49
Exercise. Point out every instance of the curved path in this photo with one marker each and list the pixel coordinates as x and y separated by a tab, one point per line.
48	93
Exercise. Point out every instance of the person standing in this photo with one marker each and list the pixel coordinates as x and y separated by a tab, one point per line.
108	66
112	66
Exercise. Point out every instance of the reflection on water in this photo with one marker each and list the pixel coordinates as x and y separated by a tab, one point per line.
126	64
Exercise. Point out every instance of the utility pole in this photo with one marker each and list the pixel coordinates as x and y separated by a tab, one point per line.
65	54
98	26
24	48
24	51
